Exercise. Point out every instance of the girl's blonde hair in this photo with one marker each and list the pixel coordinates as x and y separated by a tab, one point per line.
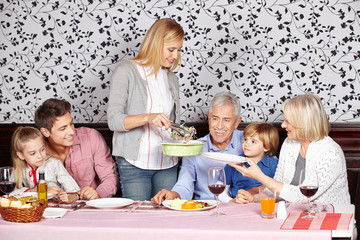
21	136
306	113
163	32
267	133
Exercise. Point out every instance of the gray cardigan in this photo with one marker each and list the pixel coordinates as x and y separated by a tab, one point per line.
128	96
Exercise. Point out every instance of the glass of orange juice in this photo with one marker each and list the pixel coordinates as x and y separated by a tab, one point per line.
267	202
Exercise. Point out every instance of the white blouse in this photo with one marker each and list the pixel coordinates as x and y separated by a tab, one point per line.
327	158
55	175
159	100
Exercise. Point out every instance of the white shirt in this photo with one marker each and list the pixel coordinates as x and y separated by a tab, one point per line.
55	175
159	100
327	158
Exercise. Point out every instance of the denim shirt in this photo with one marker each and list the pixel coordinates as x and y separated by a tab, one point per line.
237	181
192	181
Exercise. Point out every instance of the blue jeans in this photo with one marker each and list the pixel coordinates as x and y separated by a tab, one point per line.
142	184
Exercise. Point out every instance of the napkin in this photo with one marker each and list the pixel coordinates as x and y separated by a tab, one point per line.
324	221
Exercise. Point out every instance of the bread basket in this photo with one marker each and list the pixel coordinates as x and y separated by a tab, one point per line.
24	215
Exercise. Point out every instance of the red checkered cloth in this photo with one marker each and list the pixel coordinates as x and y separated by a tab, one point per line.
324	221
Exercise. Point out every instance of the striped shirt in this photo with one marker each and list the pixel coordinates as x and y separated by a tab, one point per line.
159	100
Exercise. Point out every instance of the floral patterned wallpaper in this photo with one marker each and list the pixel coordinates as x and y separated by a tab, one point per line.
264	51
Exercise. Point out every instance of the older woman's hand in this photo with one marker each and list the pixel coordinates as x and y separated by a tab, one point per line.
243	197
253	171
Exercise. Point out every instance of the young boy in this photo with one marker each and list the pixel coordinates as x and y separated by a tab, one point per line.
260	144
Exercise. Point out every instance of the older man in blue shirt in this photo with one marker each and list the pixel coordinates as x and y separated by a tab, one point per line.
224	118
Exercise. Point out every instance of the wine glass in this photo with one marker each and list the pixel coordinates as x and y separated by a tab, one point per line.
7	183
216	184
309	185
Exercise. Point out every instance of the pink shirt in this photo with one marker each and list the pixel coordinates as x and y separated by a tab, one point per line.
90	163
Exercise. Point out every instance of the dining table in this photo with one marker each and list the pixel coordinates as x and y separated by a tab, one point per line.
141	220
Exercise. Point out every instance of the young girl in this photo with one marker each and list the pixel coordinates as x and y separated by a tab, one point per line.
29	158
261	140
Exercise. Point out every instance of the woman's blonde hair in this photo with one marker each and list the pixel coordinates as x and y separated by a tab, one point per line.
18	140
163	32
267	133
306	113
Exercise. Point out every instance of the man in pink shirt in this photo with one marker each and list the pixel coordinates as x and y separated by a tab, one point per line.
83	151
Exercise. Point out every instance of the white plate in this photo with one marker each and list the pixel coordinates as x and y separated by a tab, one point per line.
167	204
54	212
224	157
110	202
34	194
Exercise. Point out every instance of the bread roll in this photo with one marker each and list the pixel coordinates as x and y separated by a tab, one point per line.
16	204
4	202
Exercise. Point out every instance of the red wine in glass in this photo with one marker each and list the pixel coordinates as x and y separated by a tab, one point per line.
7	183
216	189
308	191
216	184
308	186
7	186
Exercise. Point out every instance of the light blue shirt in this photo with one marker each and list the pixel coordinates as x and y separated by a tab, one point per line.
192	181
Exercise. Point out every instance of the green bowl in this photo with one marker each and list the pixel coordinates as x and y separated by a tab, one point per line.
182	148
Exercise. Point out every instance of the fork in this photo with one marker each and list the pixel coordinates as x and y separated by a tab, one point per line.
77	206
156	205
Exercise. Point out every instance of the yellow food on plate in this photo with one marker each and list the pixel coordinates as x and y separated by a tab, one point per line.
189	204
28	198
4	202
177	203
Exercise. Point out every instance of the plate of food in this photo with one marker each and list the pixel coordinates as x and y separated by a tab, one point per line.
189	205
224	157
30	196
182	148
108	203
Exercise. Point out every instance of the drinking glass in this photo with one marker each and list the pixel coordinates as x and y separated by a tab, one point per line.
216	184
7	182
267	203
309	185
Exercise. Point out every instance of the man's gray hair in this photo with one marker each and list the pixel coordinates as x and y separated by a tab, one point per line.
226	98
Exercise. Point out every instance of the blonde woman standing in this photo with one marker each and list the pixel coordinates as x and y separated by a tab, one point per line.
307	146
143	101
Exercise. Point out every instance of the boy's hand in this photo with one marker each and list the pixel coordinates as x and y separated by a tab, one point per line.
244	197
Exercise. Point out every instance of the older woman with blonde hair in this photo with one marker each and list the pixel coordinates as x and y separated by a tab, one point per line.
143	101
307	146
